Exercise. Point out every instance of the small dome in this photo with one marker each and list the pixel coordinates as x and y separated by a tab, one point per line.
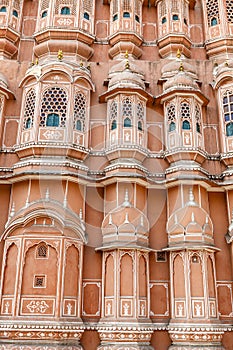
125	225
171	68
126	74
180	81
192	222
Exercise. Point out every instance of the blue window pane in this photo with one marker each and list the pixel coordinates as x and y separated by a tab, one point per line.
231	116
227	117
65	11
229	129
127	123
115	17
213	22
175	17
44	14
186	125
114	125
172	126
225	100
28	123
126	15
15	13
52	119
164	20
3	9
86	15
198	128
78	125
140	126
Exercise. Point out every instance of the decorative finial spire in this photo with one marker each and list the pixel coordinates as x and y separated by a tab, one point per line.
178	54
47	194
226	63
60	55
191	201
181	68
126	218
126	54
110	219
80	214
37	61
127	64
81	63
126	201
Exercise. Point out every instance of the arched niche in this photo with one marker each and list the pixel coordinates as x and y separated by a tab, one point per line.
126	275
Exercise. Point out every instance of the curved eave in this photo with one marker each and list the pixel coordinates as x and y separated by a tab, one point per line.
187	92
222	78
7	93
111	93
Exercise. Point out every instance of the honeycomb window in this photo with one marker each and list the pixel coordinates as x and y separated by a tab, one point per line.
39	281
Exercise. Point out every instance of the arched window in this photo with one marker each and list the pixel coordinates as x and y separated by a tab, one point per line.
44	14
164	20
185	21
79	125
28	123
127	107
15	13
140	125
185	125
228	111
137	18
175	17
126	14
198	118
86	16
54	102
3	9
115	17
127	123
65	10
172	126
80	107
213	21
114	125
29	109
52	119
42	251
229	129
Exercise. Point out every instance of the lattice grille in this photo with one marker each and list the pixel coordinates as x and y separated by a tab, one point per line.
137	7
127	5
229	5
88	5
29	110
171	112
54	101
175	6
212	10
72	4
185	110
44	5
198	118
39	281
127	107
16	4
42	251
80	106
115	6
163	8
140	111
113	110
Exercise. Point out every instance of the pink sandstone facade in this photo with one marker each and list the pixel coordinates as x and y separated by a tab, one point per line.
116	174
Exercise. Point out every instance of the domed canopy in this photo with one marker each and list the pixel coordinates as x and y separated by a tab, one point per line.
125	226
190	224
180	81
171	68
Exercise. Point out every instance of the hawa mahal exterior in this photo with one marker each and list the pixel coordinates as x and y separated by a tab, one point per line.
116	174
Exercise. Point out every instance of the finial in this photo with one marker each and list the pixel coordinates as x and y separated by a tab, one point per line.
226	64
89	67
181	68
37	61
191	201
178	54
126	218
127	64
47	194
60	55
215	64
80	214
81	63
110	219
126	200
126	54
193	217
